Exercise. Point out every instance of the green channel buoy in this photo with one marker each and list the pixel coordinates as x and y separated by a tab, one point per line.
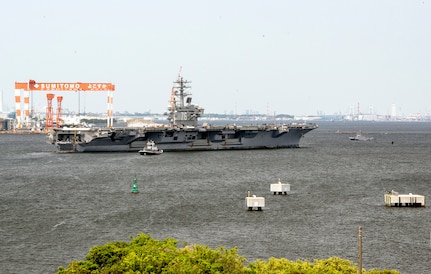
135	189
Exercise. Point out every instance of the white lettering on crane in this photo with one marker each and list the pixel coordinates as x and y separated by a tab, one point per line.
72	86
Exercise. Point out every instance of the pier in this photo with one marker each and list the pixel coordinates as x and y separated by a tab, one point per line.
393	199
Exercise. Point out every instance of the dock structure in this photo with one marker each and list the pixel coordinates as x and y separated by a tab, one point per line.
280	188
394	199
253	202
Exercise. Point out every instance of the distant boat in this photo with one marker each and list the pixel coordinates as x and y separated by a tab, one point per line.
360	137
151	149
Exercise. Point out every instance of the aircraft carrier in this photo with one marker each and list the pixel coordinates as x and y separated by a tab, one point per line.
181	133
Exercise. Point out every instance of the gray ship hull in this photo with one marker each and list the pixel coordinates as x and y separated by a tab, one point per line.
185	139
97	139
213	139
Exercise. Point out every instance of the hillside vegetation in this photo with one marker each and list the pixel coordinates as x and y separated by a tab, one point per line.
145	254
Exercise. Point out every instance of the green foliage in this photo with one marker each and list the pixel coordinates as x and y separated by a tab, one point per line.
201	259
147	255
107	255
333	265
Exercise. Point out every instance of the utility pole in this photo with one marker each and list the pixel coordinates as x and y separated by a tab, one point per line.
360	250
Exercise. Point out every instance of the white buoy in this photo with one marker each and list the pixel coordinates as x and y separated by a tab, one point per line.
254	202
280	188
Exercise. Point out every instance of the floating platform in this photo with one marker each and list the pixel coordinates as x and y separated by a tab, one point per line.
397	200
254	202
280	188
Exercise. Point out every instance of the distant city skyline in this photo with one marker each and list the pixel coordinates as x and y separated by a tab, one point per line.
39	105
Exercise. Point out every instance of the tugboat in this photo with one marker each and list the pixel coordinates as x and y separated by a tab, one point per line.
151	149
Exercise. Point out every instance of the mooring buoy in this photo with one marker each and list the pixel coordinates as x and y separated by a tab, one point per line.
135	189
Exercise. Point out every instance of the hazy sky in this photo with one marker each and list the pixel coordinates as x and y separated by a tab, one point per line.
281	56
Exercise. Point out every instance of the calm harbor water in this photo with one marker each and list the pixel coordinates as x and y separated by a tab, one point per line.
55	207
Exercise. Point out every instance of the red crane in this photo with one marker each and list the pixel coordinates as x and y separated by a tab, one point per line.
49	119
